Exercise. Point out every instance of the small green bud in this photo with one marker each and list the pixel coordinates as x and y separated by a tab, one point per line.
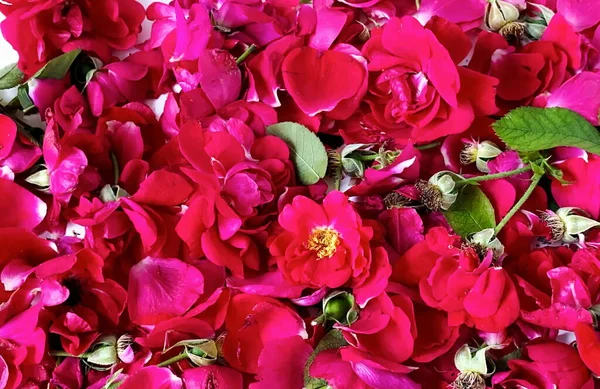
340	307
102	354
337	308
111	193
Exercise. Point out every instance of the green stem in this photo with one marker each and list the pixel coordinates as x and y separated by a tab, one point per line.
534	181
367	157
66	354
337	179
245	54
176	358
428	146
496	176
116	171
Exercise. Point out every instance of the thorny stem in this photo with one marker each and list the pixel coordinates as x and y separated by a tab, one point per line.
534	181
496	176
176	358
245	54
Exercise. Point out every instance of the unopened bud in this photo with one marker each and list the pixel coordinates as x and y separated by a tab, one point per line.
339	306
200	352
103	354
112	193
499	13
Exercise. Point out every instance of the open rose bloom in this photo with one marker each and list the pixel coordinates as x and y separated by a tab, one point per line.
352	194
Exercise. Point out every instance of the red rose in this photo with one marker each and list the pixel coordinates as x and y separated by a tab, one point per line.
328	246
416	91
251	323
40	31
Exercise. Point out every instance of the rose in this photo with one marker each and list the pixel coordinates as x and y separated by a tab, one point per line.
459	282
40	32
545	363
417	91
329	246
385	329
131	132
330	80
251	323
540	67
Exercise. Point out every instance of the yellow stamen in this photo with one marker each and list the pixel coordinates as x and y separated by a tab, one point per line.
324	241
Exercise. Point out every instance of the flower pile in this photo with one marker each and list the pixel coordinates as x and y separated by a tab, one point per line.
352	194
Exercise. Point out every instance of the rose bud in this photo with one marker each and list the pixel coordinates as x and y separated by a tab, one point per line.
102	354
340	307
498	14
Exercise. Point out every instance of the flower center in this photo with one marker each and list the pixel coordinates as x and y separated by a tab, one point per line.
323	241
555	224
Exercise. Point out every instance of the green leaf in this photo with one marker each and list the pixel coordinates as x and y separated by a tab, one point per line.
10	76
472	212
531	129
308	153
332	340
58	67
24	99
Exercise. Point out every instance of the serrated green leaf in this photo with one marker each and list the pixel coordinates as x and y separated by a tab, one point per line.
531	129
472	212
10	76
58	67
308	153
332	340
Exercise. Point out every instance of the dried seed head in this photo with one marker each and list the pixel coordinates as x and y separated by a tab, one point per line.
395	200
469	380
513	31
468	154
430	195
555	223
334	163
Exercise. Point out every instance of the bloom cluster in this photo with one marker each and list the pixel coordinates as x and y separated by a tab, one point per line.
351	194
